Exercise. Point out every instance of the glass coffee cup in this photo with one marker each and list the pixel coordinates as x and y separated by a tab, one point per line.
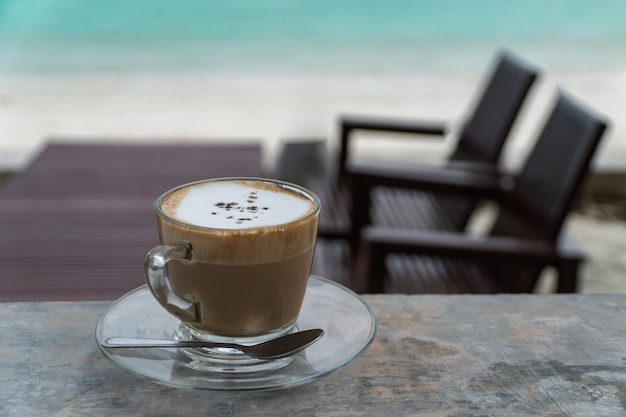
235	257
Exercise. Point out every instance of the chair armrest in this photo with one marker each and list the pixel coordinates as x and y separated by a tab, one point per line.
377	243
364	177
484	167
354	122
349	123
385	241
480	181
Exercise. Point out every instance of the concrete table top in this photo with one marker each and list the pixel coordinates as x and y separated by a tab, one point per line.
553	355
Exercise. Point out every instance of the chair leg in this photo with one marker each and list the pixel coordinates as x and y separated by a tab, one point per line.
368	270
360	212
568	276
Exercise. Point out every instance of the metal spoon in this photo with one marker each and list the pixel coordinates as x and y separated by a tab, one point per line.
272	349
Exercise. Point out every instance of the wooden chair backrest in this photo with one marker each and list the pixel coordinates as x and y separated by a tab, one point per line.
543	192
484	133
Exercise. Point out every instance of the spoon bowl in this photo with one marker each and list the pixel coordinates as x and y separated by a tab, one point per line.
280	347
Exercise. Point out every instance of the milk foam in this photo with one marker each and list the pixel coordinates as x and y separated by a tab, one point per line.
236	205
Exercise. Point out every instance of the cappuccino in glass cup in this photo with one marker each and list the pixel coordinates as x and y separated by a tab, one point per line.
235	256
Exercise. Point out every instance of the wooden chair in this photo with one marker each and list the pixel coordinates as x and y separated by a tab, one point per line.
480	141
524	239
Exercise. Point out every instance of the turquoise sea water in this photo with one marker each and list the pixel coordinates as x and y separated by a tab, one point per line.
74	36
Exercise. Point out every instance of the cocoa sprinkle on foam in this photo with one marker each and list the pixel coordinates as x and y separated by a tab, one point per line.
234	205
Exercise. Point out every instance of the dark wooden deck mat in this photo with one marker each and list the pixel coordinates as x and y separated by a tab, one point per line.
128	171
79	220
73	249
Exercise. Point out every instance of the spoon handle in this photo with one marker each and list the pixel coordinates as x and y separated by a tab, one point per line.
130	342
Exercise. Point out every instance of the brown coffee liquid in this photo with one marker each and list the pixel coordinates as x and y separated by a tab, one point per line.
244	300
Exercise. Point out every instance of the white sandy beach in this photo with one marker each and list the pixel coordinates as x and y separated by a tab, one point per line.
195	107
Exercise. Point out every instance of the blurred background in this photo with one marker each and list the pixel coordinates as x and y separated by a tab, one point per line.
203	69
282	70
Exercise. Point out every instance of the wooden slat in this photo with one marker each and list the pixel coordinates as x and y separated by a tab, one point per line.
396	208
417	274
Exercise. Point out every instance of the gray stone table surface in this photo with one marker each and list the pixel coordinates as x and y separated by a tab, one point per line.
553	355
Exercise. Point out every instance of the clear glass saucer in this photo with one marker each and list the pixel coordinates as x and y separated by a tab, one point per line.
348	323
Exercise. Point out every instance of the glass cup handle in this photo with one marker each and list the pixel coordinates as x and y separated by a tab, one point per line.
185	309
